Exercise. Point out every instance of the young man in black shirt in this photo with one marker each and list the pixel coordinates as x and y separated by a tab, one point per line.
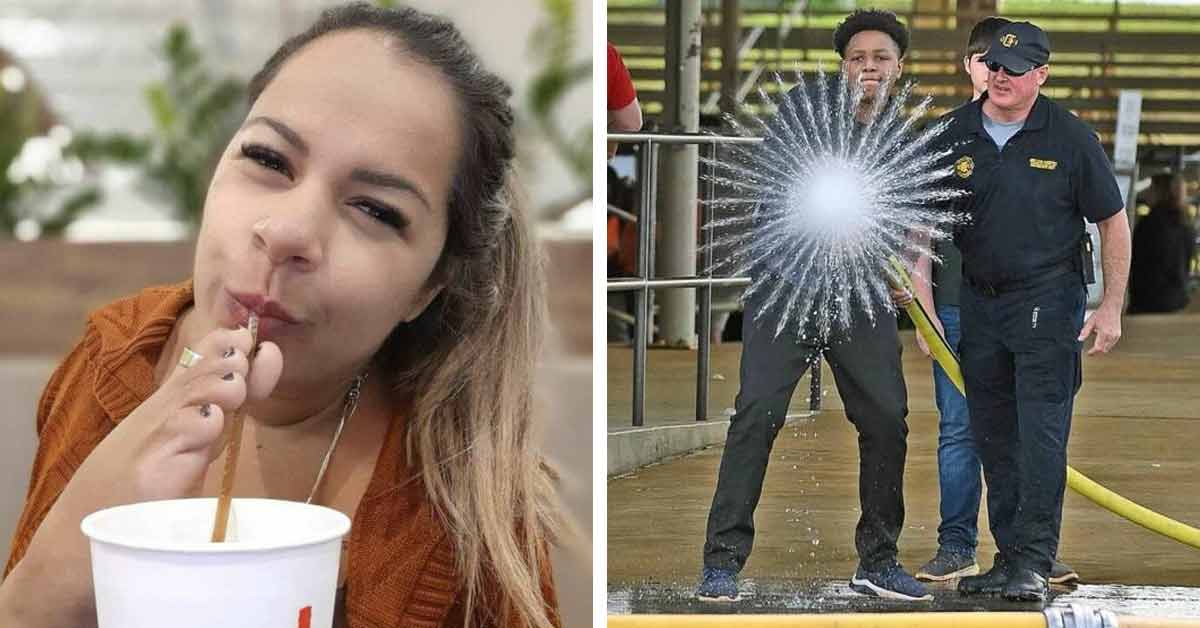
866	367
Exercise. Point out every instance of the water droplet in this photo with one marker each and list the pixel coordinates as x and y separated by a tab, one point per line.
840	197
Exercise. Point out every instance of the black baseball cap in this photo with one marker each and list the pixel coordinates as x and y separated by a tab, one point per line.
1019	47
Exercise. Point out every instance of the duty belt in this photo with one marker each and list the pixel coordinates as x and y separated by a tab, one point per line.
992	289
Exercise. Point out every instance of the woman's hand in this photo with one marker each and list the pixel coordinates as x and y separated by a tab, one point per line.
162	450
186	417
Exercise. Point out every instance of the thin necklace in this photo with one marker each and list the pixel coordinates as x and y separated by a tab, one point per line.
348	409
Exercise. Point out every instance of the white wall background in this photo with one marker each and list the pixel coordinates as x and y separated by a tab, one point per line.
93	59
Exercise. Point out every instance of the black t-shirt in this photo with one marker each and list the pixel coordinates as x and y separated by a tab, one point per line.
947	276
790	121
1028	201
1163	245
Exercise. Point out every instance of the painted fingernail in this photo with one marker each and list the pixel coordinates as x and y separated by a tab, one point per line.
227	377
229	352
206	410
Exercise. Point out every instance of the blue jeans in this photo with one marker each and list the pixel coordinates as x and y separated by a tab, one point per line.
958	460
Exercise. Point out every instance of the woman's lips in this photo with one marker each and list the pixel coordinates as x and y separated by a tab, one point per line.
273	319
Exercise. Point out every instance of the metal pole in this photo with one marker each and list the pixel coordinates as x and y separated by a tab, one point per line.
651	240
677	313
730	33
814	384
703	356
625	285
643	286
622	214
682	138
642	298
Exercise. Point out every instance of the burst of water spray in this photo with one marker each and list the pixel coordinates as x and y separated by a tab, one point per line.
813	213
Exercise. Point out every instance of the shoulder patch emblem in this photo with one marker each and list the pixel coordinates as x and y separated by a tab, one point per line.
1043	164
1009	40
964	166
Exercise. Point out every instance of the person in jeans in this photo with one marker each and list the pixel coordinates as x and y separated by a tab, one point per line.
958	460
866	367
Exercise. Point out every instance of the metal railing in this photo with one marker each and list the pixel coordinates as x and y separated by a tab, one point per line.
645	281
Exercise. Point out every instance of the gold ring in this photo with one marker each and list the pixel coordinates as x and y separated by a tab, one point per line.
189	358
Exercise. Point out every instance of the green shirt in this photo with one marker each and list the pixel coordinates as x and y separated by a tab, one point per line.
947	276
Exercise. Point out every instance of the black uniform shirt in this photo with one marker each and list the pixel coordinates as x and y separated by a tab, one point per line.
1028	201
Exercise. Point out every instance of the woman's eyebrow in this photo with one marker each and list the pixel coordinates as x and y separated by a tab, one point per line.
383	179
282	129
361	175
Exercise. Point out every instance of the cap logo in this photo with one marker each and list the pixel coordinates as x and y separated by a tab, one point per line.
1009	40
964	166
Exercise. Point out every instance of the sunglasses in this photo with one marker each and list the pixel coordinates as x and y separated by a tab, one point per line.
992	66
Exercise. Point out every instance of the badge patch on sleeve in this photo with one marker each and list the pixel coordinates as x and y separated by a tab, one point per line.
1043	164
964	166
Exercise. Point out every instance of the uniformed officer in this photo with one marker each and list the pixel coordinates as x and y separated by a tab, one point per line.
960	480
1035	173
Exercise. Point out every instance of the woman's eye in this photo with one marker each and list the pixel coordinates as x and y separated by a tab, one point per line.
267	158
382	213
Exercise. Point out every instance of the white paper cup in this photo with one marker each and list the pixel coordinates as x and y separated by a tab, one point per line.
153	565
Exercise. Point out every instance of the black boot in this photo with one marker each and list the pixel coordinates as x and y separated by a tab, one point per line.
1025	585
991	582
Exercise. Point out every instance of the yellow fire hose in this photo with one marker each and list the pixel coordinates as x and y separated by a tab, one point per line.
839	620
873	620
1078	482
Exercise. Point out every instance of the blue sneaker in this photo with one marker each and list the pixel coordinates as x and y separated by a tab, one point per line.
891	582
717	585
948	565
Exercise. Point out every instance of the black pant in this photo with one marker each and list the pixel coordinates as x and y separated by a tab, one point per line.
867	371
1022	367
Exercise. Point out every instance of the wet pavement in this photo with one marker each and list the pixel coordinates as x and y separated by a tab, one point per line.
835	596
1136	430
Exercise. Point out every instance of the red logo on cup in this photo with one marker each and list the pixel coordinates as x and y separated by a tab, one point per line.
306	617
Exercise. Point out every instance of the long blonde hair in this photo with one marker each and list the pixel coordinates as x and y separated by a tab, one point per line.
467	362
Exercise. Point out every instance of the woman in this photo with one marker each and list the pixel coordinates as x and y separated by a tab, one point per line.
1163	245
363	212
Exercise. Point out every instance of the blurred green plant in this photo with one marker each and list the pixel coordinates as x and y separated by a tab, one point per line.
194	114
24	115
553	44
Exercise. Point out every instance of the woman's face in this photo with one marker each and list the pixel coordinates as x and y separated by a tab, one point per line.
327	212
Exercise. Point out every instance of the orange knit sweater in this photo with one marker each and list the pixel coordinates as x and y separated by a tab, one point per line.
401	562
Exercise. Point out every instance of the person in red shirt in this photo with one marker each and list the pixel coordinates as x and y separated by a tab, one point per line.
624	112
